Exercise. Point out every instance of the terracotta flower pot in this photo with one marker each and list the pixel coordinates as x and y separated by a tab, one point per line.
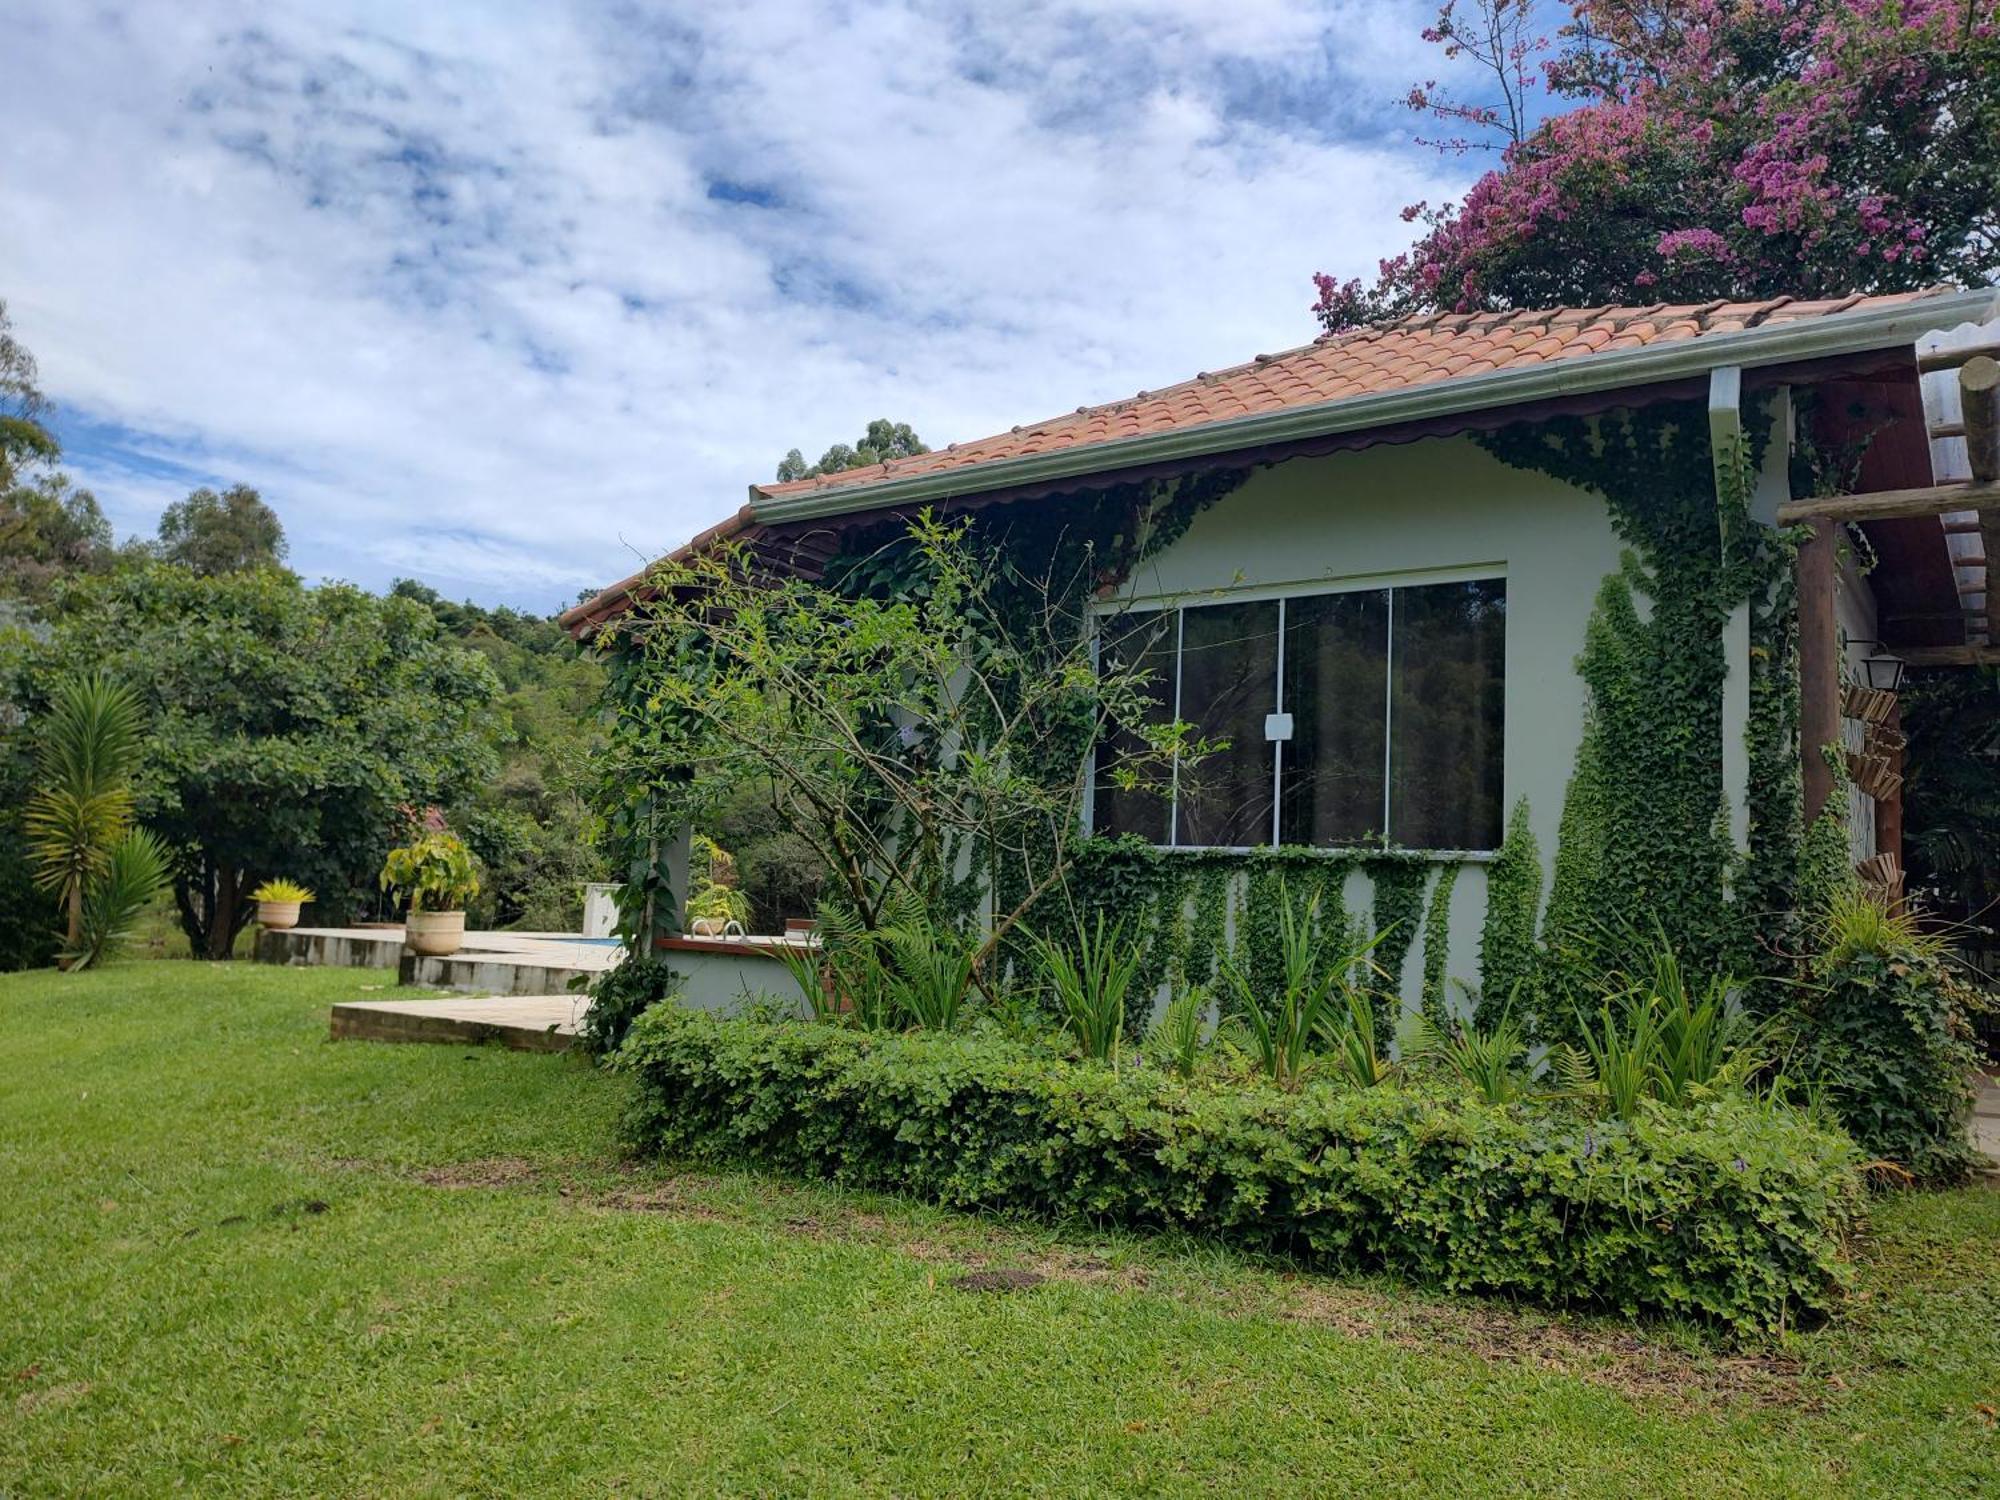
435	934
278	915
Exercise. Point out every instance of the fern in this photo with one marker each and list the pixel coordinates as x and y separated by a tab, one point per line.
1176	1038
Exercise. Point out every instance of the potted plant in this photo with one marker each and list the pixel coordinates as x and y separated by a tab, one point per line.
434	870
278	903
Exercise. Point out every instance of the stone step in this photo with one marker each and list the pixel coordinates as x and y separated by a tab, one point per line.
526	1023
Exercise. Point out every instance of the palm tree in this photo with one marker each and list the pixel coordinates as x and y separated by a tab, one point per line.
83	811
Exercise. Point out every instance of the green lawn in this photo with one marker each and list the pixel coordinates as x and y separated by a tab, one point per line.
236	1258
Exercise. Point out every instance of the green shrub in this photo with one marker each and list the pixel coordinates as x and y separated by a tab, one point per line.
1731	1210
1487	1056
1886	1033
620	995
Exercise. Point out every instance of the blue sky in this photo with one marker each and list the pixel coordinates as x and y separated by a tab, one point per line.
509	296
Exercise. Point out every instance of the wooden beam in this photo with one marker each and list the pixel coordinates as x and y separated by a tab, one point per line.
1933	616
1951	359
1948	430
1819	663
1949	656
1893	505
1979	397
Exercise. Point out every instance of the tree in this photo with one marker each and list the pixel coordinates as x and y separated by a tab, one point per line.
47	525
532	825
907	734
223	533
24	435
1802	147
882	441
48	528
288	725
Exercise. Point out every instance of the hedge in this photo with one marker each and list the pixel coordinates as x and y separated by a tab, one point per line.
1728	1212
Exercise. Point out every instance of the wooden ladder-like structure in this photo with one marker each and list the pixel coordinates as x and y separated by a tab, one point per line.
1978	369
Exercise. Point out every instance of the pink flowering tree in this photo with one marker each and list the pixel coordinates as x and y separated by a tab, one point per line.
1678	150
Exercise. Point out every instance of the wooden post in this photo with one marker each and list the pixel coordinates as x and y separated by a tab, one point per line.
1889	810
1979	400
1819	663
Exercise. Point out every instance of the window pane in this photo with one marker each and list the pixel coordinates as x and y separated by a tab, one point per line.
1446	715
1336	686
1145	641
1229	683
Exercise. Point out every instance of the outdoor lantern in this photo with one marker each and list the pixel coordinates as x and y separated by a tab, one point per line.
1885	672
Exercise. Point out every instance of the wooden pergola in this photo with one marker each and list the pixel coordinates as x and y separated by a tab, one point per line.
1973	503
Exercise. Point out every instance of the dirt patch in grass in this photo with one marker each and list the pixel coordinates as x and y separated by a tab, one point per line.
490	1172
1010	1280
668	1197
1643	1369
51	1396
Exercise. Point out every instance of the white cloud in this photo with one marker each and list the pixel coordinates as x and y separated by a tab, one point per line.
506	297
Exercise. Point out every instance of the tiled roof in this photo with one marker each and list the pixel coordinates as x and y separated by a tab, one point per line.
1364	361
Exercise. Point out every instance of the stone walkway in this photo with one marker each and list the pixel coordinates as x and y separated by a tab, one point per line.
1986	1119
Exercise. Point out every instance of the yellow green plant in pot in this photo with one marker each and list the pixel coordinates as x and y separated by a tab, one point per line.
278	902
436	874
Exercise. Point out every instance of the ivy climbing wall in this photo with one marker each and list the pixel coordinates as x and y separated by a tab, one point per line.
1419	512
1651	710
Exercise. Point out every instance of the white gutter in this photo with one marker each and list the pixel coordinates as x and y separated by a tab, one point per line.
1783	343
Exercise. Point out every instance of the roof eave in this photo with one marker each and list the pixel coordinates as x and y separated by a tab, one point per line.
1750	348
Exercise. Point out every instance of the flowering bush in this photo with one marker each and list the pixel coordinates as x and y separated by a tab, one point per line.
1717	148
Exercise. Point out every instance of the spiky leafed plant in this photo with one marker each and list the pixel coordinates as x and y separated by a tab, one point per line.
1318	1004
1090	980
1490	1059
83	807
138	869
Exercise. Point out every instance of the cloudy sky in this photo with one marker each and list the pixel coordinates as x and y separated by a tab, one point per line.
506	296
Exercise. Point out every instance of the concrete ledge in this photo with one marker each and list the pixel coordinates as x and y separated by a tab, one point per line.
490	973
334	948
526	1023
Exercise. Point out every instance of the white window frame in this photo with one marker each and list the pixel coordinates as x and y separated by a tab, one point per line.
1104	609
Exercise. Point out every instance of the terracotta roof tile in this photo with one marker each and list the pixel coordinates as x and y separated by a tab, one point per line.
1363	361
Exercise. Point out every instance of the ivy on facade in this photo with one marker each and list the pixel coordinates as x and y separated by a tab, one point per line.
1645	833
1645	836
1437	950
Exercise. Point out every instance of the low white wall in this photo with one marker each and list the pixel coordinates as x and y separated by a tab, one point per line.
727	979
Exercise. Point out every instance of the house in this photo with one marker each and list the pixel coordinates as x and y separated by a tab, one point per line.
1385	606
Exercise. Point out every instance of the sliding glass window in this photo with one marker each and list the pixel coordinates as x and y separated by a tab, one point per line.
1349	718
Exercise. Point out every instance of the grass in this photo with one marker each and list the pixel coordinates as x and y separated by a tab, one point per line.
240	1259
